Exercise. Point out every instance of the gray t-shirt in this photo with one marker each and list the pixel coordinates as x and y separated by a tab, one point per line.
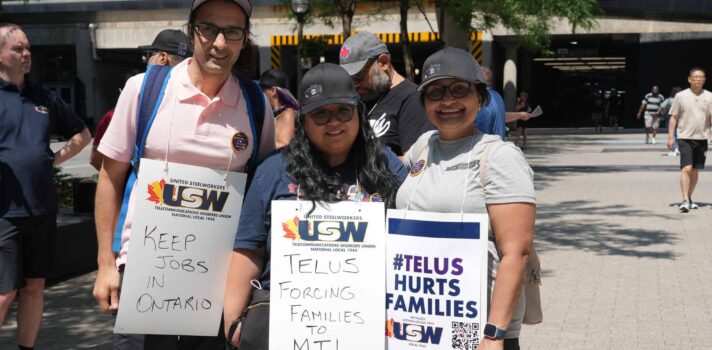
436	183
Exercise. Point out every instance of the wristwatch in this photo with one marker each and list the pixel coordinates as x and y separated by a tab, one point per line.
494	332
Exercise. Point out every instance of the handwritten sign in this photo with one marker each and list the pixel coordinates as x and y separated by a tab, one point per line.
181	240
328	279
436	280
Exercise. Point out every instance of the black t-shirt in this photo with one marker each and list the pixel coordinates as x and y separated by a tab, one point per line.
27	120
398	118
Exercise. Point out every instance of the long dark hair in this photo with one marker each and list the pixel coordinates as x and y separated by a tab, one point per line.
316	180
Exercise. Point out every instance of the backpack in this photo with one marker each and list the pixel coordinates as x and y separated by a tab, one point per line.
152	90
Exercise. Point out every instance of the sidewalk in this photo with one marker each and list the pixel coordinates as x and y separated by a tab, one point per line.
622	268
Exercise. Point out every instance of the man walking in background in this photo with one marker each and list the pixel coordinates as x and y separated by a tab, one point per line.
691	113
651	105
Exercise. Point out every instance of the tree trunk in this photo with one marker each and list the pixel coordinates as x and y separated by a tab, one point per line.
407	54
450	32
346	12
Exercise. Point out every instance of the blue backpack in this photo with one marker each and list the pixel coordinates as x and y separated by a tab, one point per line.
154	86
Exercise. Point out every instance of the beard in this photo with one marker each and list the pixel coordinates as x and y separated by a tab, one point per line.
381	83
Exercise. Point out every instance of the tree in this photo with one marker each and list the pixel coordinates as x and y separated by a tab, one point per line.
531	19
328	12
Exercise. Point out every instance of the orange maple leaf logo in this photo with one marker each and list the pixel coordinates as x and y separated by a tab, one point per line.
389	328
291	229
155	191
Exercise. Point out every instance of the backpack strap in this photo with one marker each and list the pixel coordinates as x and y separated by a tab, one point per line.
255	101
152	90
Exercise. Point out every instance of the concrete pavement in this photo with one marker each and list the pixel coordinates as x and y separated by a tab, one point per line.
622	268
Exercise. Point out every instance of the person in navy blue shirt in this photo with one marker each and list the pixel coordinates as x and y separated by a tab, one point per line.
492	118
29	115
333	157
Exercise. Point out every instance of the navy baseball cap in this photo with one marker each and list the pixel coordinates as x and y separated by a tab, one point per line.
358	49
172	41
325	84
244	4
451	63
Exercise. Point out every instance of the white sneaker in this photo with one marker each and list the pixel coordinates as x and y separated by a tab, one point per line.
653	142
684	207
671	154
694	205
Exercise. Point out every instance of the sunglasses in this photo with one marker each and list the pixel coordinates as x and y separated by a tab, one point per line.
323	116
210	32
436	92
147	56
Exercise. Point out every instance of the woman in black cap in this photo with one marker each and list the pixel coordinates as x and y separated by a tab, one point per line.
333	157
274	84
445	177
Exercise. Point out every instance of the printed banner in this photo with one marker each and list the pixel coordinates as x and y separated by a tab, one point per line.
182	235
327	276
436	280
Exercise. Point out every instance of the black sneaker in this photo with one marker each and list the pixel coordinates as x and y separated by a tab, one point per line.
684	207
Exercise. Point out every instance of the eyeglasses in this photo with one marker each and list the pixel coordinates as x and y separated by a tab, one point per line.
436	92
210	32
147	56
323	116
364	71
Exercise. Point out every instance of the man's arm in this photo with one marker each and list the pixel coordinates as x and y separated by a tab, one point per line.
671	132
95	158
512	116
73	146
640	110
112	178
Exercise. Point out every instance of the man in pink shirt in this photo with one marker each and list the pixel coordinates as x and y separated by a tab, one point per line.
203	108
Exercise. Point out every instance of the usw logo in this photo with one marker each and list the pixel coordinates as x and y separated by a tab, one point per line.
413	332
182	196
325	231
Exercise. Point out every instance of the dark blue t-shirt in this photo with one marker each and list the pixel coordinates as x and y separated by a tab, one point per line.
27	120
272	183
490	119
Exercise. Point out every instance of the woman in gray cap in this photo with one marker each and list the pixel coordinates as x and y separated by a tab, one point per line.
444	165
333	157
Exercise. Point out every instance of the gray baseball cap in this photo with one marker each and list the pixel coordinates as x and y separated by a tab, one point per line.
244	4
451	63
325	84
357	49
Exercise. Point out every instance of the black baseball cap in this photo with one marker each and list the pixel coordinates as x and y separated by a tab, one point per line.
325	84
451	63
172	41
244	4
358	49
274	77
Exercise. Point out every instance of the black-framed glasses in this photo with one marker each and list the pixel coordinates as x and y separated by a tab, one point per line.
436	92
323	116
210	32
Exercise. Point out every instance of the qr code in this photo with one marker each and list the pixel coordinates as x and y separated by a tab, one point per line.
465	336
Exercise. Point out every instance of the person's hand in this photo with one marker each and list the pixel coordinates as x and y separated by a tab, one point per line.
106	288
525	116
671	143
491	344
637	116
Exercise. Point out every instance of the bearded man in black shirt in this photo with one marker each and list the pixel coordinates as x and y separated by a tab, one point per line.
393	104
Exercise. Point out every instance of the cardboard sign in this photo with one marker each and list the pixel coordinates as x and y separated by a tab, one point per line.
183	230
327	276
436	280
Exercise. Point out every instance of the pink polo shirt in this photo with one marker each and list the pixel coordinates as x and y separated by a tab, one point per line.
200	129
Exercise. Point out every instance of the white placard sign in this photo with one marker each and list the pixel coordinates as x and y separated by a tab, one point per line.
327	276
184	225
436	280
537	112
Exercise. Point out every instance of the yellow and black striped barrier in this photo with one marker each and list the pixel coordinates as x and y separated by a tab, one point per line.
277	41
